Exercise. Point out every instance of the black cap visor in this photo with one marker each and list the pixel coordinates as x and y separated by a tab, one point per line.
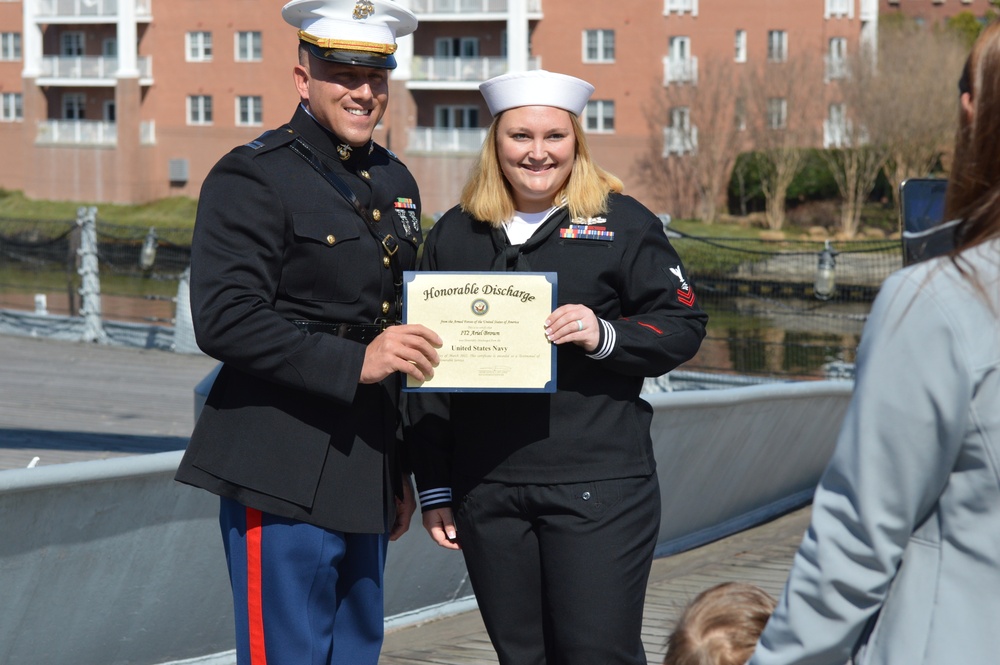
358	58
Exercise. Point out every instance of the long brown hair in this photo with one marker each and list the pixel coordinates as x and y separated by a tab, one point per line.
973	194
487	195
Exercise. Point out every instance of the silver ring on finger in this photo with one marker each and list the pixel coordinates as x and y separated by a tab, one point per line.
579	325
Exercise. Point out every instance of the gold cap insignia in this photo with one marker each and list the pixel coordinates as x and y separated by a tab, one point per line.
363	9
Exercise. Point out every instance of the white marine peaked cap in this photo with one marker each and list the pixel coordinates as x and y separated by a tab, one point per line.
536	87
352	32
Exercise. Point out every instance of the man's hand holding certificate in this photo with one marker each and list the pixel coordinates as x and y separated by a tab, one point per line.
491	324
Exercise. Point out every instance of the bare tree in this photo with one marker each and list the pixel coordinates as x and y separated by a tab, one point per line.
699	136
917	98
782	99
853	157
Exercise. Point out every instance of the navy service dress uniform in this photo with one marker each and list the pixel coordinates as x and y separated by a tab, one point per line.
585	449
287	431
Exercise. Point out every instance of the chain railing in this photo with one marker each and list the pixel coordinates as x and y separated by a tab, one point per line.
782	309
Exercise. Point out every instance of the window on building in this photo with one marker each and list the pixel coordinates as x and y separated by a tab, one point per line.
249	111
777	113
109	47
199	109
71	44
837	8
681	6
777	46
835	127
740	114
836	58
199	46
11	107
681	66
679	138
74	106
599	46
456	117
456	47
741	46
10	46
599	116
248	46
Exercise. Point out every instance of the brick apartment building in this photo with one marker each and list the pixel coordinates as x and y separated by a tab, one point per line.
134	100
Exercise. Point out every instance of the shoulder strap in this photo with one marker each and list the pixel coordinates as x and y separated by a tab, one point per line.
388	242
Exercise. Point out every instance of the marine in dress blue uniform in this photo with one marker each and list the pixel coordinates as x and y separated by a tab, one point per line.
300	239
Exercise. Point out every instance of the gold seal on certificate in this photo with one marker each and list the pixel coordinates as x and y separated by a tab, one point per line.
492	326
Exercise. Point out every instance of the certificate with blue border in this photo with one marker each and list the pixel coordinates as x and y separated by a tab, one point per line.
492	325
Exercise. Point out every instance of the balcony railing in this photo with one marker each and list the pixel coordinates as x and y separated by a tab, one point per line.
88	9
680	71
77	132
679	141
103	68
468	6
88	133
460	69
432	139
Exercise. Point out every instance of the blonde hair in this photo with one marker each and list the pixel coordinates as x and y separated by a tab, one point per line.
720	626
487	195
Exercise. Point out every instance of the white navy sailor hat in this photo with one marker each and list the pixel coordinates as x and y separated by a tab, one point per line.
536	87
352	32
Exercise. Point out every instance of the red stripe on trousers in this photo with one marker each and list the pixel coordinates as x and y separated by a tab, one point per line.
255	604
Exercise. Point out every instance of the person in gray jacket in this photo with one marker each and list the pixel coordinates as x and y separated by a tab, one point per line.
901	563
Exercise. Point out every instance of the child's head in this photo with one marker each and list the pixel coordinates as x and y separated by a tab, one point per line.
720	626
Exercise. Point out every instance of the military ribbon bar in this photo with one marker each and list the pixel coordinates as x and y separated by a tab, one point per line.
583	232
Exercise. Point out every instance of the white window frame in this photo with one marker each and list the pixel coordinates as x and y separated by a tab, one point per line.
680	7
456	116
74	106
11	107
109	47
248	46
838	9
72	44
680	138
199	110
599	116
198	46
740	114
777	113
777	45
10	46
249	110
836	58
835	134
456	47
740	46
602	48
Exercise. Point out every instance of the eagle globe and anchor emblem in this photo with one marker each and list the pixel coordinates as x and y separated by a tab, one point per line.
480	307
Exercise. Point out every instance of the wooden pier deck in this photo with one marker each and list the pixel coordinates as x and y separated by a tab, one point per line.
64	402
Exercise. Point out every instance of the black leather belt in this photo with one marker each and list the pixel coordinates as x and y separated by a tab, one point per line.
356	332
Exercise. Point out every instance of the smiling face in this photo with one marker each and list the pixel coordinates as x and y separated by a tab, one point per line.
536	147
349	100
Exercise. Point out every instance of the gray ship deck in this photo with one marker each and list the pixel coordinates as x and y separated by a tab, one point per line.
65	402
